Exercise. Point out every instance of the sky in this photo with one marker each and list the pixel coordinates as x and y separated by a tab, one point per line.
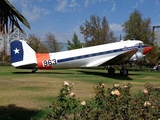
63	18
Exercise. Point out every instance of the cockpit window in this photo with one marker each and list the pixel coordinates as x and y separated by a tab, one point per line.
140	44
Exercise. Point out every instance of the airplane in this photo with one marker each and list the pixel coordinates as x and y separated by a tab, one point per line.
111	54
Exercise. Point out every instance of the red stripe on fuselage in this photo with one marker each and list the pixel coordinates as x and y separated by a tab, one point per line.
40	59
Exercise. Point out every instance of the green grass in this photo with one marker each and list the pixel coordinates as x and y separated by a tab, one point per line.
35	91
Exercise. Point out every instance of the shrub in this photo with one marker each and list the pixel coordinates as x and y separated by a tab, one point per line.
115	103
65	104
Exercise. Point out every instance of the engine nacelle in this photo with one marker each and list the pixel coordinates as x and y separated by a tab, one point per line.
137	57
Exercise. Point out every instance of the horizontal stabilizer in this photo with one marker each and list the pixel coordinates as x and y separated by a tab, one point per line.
28	66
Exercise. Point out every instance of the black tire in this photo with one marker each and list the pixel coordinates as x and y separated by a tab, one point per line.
111	71
33	71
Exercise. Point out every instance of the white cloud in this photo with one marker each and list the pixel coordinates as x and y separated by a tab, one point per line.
86	3
66	5
73	4
113	7
115	27
33	12
62	5
30	10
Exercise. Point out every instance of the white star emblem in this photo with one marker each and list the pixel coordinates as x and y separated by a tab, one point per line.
16	51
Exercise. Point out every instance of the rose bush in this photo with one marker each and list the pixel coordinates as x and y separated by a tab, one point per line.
114	103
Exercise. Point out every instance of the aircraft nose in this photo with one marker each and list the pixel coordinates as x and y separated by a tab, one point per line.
147	49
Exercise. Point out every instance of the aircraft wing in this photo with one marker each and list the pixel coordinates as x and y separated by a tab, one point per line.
113	60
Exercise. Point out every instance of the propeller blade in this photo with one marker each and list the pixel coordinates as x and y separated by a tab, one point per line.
146	59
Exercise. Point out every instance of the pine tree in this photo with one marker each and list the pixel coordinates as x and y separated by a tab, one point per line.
75	43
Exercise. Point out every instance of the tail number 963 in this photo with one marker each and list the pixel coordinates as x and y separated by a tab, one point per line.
49	62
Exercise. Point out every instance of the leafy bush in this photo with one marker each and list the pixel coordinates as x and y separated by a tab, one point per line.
65	104
115	103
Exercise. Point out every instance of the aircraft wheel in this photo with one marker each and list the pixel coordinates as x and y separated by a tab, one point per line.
33	71
111	71
124	71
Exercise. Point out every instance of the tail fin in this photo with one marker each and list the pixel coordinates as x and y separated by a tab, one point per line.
16	51
22	54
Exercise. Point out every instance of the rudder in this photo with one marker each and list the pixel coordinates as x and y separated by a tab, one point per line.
21	51
16	51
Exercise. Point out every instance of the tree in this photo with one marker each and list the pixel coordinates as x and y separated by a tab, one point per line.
140	29
97	32
9	17
36	44
53	45
75	43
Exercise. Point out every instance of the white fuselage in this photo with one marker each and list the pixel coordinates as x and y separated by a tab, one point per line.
23	56
91	56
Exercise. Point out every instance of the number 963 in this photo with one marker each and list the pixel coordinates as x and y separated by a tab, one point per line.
49	62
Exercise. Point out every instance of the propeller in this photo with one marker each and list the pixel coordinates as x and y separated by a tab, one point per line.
145	59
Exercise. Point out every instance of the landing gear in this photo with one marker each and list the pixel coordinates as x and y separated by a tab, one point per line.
111	71
34	70
124	71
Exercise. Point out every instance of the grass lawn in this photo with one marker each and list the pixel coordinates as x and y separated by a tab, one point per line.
31	92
